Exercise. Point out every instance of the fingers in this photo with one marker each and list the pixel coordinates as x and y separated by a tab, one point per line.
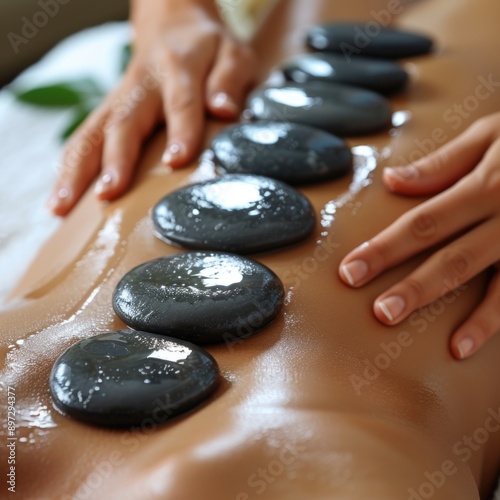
205	68
80	163
415	231
229	78
184	108
216	82
124	135
445	166
445	270
108	142
482	324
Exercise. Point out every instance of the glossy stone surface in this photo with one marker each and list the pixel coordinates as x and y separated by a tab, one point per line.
367	39
337	108
235	213
202	297
385	77
294	153
125	378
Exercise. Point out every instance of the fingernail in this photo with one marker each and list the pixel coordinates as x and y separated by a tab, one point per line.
56	199
392	307
171	154
104	184
402	173
355	271
465	347
223	101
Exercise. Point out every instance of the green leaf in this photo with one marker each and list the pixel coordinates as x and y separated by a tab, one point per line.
62	94
78	117
57	95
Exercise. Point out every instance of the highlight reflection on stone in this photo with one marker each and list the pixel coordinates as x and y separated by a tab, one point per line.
386	77
291	152
236	213
367	39
124	377
340	109
202	297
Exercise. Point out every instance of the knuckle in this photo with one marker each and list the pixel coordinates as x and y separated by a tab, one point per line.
457	264
135	71
122	113
239	52
249	60
181	101
244	57
415	288
484	125
483	328
381	251
188	54
81	146
69	163
422	226
175	57
491	183
233	49
440	163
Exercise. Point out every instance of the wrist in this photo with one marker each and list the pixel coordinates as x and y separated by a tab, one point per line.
147	15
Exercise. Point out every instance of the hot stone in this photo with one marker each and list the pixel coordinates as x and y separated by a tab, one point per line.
125	378
294	153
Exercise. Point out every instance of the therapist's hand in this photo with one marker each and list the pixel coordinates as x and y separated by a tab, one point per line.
464	176
184	63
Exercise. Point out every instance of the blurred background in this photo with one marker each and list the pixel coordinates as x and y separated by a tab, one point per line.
31	27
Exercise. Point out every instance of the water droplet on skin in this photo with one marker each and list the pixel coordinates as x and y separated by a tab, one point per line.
399	118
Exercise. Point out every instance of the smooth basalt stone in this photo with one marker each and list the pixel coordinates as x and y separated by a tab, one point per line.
291	152
367	39
385	77
202	297
124	378
340	109
235	213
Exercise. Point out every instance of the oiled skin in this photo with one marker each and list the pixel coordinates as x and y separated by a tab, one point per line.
292	419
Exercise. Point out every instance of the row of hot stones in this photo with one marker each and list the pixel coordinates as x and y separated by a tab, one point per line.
214	294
